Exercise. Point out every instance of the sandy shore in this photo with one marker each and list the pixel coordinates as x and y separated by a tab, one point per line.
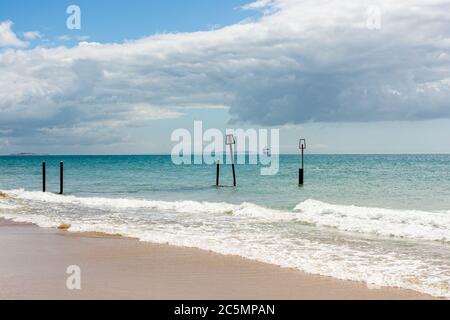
33	263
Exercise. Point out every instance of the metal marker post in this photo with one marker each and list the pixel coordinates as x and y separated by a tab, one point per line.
230	140
302	147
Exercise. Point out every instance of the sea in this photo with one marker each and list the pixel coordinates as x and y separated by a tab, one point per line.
380	219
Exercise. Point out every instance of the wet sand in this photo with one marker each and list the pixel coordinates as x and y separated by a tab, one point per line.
33	264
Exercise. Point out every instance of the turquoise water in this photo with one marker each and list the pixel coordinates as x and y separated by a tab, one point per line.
387	181
380	219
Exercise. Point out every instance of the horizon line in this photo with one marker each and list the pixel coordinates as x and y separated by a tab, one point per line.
224	154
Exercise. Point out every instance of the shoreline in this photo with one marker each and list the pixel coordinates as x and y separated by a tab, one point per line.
34	262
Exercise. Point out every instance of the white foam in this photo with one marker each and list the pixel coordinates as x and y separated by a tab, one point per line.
7	206
413	224
247	230
174	206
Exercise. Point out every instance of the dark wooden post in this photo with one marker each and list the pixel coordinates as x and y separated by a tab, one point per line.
234	175
43	176
61	177
217	173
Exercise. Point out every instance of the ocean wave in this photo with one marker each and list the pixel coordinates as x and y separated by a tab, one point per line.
123	203
411	224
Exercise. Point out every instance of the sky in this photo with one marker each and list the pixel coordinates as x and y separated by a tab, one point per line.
350	76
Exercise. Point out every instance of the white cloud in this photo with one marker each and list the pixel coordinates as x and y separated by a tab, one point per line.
32	35
64	37
8	38
305	61
262	5
83	38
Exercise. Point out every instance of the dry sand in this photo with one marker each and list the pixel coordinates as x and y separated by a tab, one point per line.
33	263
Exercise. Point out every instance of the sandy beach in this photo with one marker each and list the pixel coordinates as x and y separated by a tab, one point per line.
33	263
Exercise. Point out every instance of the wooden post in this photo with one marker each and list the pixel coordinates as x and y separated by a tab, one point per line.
61	177
217	173
234	175
43	176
